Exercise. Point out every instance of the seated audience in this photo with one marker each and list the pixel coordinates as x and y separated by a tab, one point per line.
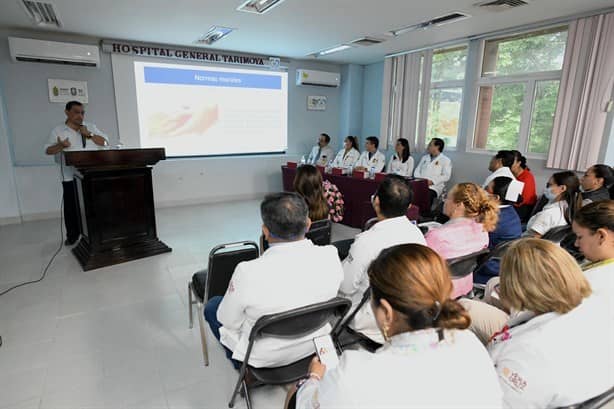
500	165
436	168
348	156
371	157
428	351
595	182
508	227
322	153
292	272
401	162
561	192
529	194
593	225
308	183
557	337
472	215
390	202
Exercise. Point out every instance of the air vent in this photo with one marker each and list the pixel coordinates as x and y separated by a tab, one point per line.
259	6
52	61
41	14
437	21
501	5
366	41
448	18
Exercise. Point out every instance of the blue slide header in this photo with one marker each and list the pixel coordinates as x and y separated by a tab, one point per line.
158	75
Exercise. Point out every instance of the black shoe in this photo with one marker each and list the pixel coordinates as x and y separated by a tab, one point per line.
70	242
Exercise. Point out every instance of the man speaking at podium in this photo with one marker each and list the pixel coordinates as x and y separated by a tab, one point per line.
74	135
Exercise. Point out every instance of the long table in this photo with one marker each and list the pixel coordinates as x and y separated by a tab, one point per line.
357	194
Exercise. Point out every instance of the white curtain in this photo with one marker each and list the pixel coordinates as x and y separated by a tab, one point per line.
586	91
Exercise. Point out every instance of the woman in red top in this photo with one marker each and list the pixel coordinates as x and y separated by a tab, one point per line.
529	196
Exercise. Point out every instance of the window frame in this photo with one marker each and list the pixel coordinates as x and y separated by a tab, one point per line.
530	80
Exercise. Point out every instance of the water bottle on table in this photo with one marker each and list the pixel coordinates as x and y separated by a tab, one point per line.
372	172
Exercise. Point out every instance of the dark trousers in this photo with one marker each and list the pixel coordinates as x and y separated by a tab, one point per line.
211	317
71	210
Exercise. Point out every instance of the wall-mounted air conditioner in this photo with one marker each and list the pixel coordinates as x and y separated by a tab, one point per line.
26	49
318	78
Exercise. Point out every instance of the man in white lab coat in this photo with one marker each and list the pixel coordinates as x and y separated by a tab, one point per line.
500	165
435	167
371	157
291	273
322	153
390	202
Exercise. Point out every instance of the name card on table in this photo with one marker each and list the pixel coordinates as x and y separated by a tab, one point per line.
337	171
321	169
292	165
359	174
380	176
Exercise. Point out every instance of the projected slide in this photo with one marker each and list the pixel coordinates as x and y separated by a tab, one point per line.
195	110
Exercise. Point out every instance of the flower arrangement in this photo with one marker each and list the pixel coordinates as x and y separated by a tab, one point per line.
334	198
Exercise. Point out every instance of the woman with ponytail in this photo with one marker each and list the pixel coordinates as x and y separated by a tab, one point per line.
428	349
562	192
473	214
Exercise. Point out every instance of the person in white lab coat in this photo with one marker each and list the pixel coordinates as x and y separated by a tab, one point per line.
556	350
435	167
73	135
428	351
291	273
401	163
371	157
390	202
348	156
322	153
500	165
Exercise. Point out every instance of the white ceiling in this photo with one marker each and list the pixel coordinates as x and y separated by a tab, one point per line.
295	28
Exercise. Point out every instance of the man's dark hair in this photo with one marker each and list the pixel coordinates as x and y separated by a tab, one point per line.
395	196
326	137
71	104
439	143
374	140
507	158
285	215
500	186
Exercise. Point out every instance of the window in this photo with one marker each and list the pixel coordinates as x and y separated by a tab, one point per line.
517	91
446	94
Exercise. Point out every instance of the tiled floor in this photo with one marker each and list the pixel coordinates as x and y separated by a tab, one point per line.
117	337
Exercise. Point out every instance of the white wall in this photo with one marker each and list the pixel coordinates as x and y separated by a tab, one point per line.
30	117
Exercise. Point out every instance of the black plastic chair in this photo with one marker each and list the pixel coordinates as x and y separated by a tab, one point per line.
594	403
370	223
494	254
346	336
343	247
213	281
319	233
557	234
464	265
295	323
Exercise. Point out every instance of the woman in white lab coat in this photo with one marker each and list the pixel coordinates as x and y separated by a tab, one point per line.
401	162
428	351
348	156
556	349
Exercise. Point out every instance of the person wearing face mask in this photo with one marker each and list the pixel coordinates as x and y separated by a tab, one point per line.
529	193
401	162
348	156
595	182
562	194
322	153
427	354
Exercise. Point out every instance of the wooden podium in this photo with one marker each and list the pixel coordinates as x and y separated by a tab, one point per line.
115	193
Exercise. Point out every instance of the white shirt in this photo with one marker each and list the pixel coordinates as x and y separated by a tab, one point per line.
437	169
288	275
365	249
552	215
326	155
601	277
377	161
414	370
556	360
346	160
502	171
76	144
401	168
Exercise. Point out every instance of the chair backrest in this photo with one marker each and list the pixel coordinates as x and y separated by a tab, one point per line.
223	260
539	205
557	234
298	322
569	244
343	247
594	403
464	265
370	223
319	232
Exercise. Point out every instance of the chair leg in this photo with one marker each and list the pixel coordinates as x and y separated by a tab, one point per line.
248	401
190	304
203	339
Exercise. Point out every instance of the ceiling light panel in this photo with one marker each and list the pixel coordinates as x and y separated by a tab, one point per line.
259	6
214	34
